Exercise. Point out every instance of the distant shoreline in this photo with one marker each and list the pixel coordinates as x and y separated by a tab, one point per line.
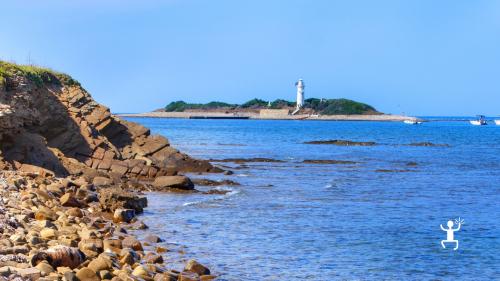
257	116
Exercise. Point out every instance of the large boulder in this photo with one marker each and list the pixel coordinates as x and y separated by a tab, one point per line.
123	215
196	267
169	182
116	198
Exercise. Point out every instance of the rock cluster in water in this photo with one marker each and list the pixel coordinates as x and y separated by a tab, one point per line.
343	142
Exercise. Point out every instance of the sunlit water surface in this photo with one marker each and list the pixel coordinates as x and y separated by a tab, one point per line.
296	221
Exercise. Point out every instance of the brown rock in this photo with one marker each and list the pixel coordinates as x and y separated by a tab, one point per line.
168	182
123	215
132	243
153	238
31	273
87	274
119	169
207	277
45	213
99	264
68	200
188	276
140	271
48	233
128	258
196	267
94	245
153	258
105	275
166	276
113	245
102	181
114	198
74	212
44	268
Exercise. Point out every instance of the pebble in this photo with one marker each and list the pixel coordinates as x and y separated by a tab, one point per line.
52	224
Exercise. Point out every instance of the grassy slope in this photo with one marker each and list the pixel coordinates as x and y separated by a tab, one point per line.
36	74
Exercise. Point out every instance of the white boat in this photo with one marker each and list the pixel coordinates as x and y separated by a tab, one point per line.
497	122
412	122
480	121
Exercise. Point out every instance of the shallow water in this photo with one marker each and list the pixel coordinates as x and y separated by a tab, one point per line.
296	221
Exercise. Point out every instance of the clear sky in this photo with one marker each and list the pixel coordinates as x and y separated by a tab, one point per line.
421	57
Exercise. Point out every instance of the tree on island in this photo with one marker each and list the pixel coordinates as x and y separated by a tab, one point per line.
318	106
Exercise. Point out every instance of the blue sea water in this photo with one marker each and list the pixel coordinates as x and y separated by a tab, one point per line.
297	221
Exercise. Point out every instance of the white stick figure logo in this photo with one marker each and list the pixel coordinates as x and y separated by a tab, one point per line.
450	232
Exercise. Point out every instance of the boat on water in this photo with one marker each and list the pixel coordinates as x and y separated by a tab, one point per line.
479	121
412	122
497	122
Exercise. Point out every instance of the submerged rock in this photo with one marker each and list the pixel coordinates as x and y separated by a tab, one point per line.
343	142
248	160
196	267
208	182
391	171
216	192
429	144
328	162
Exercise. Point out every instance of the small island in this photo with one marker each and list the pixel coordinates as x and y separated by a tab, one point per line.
310	106
281	109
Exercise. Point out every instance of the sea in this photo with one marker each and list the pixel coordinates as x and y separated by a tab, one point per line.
378	218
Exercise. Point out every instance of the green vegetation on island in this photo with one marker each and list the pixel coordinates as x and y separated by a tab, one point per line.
36	74
314	105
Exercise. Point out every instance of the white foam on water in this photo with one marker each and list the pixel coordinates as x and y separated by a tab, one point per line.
231	192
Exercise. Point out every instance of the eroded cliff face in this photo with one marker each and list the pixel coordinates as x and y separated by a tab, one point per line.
55	128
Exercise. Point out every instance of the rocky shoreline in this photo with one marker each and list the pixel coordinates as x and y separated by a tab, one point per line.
70	183
72	229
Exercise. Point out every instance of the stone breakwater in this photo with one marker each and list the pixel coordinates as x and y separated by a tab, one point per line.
273	116
70	176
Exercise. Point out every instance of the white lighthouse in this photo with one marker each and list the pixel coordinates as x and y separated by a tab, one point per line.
300	93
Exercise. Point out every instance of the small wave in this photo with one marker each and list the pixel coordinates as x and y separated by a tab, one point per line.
231	192
242	175
192	203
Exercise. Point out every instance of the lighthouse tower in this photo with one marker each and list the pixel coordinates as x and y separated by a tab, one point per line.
300	93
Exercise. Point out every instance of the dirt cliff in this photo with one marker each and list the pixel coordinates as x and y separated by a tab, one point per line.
50	124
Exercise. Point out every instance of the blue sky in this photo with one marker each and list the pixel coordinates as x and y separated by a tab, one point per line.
421	57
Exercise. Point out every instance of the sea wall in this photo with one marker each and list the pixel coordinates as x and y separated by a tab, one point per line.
279	116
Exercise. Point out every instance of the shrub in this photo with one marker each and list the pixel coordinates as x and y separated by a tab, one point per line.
254	103
338	106
280	103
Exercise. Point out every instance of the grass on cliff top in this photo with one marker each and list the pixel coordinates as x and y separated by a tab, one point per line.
38	75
